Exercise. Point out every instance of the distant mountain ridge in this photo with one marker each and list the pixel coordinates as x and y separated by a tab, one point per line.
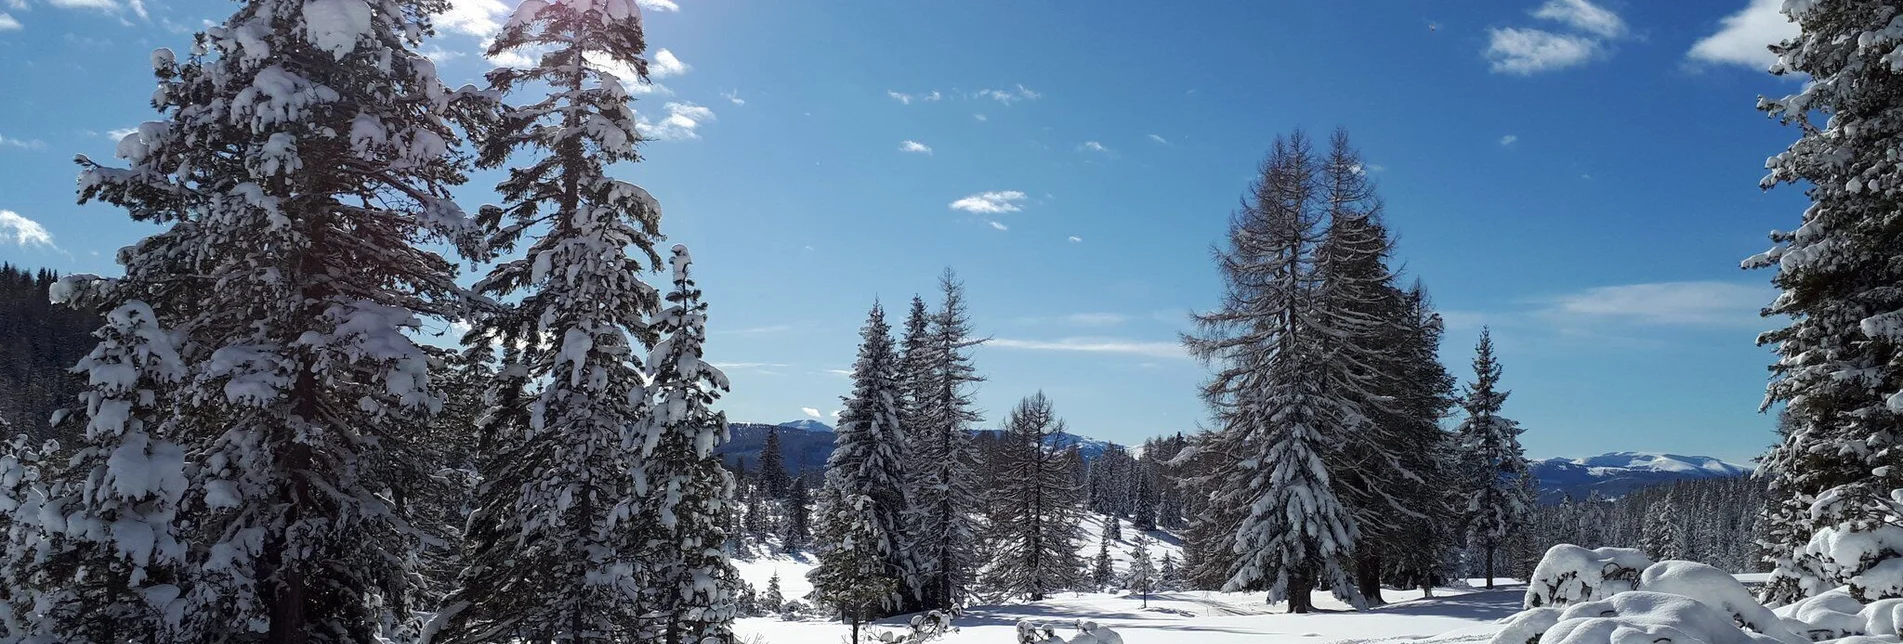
1616	474
805	444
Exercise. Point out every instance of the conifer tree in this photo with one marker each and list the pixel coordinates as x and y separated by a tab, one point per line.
300	141
694	583
1142	579
1271	396
944	457
1839	372
1035	527
1500	500
565	556
772	598
1102	572
773	467
865	471
798	531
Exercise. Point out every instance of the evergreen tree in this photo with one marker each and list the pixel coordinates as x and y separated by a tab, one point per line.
944	459
1271	396
773	601
1166	573
1664	534
1142	579
865	472
300	142
1500	499
798	531
1840	368
694	582
564	557
1035	530
773	467
1102	572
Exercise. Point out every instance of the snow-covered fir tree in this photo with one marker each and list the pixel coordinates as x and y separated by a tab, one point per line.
1102	568
108	568
564	557
771	599
866	469
1036	508
943	456
798	530
1142	577
1269	395
1840	368
854	574
1494	469
694	582
773	475
1664	534
301	141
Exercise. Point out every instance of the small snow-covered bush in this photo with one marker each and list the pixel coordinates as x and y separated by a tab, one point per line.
1827	616
1641	617
1569	574
924	628
1087	633
1868	560
1526	627
1717	589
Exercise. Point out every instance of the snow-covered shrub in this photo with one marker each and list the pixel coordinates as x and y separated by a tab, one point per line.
1569	574
1087	633
1829	615
1717	589
1641	617
924	628
1526	627
1867	559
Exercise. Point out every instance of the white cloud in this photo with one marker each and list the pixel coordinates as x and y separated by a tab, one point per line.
909	145
835	414
665	64
1095	345
812	412
985	203
1509	140
1530	51
1743	38
439	55
25	144
1159	139
1584	16
108	6
902	98
479	18
24	232
1009	96
906	99
658	5
1702	303
981	117
1093	146
733	97
1096	319
998	225
1076	240
7	23
120	133
682	123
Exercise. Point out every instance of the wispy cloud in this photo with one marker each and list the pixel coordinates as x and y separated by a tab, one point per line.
8	23
757	330
1697	303
733	97
1095	345
1584	16
907	99
658	5
24	144
915	147
812	412
997	225
1159	139
1076	240
1096	319
120	133
980	117
1529	51
1009	96
1093	146
1509	140
682	123
24	232
991	203
1744	38
665	64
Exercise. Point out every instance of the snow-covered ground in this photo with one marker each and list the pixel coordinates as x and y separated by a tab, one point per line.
1454	615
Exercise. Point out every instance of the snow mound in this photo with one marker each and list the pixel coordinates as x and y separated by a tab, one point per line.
1641	617
1719	590
1569	574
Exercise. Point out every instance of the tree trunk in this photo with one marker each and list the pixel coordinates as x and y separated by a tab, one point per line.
1489	565
1368	578
1301	588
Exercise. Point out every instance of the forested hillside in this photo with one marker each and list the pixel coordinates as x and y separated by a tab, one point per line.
39	344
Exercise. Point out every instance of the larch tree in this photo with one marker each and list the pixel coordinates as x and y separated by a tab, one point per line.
1269	394
299	178
564	560
1037	507
866	470
1839	372
1500	502
944	457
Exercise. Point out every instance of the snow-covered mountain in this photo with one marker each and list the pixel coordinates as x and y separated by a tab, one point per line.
1615	474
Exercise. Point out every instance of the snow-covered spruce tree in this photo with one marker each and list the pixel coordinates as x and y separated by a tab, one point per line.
107	570
772	600
693	579
1034	532
302	141
943	456
1102	570
1494	465
1278	421
564	557
1663	537
798	530
1414	545
1840	366
1142	578
866	469
773	467
854	573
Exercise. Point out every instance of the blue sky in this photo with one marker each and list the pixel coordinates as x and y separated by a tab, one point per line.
1580	175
